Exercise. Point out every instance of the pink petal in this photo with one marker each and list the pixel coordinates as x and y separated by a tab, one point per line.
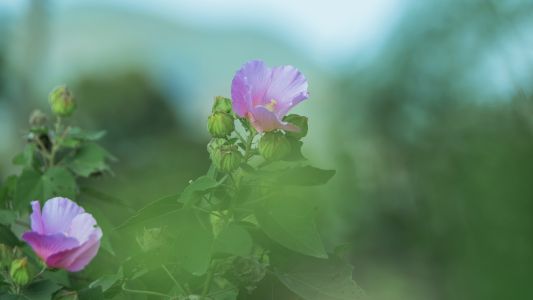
265	120
249	86
76	259
37	224
47	245
288	87
82	227
58	213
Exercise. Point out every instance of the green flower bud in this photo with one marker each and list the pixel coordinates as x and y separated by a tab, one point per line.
274	145
38	119
227	158
298	121
5	256
220	124
214	144
62	101
222	105
19	271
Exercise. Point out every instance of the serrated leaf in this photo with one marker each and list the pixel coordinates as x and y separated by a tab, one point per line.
55	182
290	221
316	279
234	240
89	159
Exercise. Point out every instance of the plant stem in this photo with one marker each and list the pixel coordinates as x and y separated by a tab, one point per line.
173	279
143	292
207	284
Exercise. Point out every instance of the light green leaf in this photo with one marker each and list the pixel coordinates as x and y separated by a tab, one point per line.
316	279
290	221
233	239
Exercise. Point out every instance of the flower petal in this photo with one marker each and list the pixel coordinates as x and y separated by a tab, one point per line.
287	87
36	218
47	245
265	120
58	213
249	86
76	259
82	226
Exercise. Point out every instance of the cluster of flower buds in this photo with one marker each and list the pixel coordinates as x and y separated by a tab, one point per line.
11	260
221	124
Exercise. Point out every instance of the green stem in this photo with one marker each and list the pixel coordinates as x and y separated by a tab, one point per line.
207	284
173	278
143	292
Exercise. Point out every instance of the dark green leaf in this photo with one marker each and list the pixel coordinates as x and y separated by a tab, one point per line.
58	182
94	293
290	221
7	237
304	176
316	279
7	190
25	158
29	188
105	282
155	209
89	159
41	290
194	238
196	187
233	239
7	216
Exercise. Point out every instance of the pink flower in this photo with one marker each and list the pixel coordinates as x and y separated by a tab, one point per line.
264	95
63	235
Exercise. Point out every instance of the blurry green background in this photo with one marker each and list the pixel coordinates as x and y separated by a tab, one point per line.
425	108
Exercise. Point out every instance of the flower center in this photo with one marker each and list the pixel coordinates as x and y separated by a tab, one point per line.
270	106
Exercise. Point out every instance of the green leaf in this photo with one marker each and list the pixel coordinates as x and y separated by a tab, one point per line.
299	176
78	133
29	187
316	279
290	221
55	182
89	159
7	190
7	216
155	209
7	237
57	276
105	282
233	239
194	238
58	182
25	158
41	290
196	187
94	293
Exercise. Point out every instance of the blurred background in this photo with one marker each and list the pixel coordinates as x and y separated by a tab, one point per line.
425	108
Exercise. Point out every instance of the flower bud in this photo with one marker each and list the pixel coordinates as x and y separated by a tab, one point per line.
274	145
5	256
38	119
298	121
220	124
19	271
227	158
214	144
222	105
62	101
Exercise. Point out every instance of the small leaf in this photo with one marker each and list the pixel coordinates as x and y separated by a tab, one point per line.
233	239
290	221
316	279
